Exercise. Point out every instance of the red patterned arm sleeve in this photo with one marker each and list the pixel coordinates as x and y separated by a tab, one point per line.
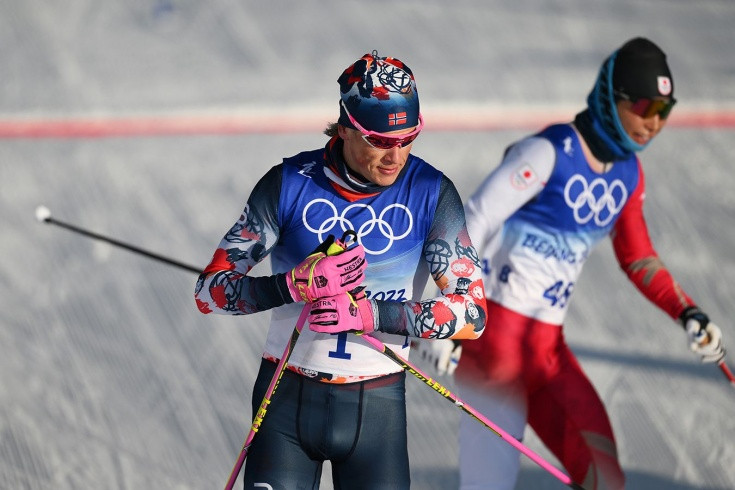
225	286
460	311
639	260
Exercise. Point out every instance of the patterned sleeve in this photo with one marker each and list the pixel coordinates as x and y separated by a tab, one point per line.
639	260
225	287
459	312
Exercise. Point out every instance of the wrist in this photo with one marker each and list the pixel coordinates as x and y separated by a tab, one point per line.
688	311
297	292
283	284
693	312
369	316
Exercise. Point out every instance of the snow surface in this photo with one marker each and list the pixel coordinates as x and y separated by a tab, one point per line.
112	379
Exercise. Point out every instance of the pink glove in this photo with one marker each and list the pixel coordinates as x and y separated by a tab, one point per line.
346	312
330	270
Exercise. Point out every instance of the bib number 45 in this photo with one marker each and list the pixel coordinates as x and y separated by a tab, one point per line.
559	293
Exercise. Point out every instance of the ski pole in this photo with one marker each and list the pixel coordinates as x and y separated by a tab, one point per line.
348	238
726	371
258	419
44	216
384	349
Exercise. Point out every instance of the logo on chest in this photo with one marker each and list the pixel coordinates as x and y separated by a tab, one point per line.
597	200
377	230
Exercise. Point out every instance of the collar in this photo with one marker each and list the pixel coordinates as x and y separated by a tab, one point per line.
347	183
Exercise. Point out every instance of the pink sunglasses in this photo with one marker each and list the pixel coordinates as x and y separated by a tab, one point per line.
385	141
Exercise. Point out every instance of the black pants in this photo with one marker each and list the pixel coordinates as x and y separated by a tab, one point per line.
359	427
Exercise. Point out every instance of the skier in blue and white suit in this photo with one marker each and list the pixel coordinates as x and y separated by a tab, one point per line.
340	399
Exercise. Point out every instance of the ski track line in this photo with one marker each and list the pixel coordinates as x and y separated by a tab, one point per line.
23	127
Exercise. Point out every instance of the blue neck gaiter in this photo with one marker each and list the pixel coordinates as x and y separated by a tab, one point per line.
602	122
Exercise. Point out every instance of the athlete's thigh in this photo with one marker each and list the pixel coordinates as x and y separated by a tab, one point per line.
486	460
380	456
276	460
569	417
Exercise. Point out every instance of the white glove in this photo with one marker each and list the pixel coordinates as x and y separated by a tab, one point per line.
705	338
443	354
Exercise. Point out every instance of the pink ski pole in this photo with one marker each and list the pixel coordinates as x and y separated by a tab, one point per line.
258	419
349	237
561	476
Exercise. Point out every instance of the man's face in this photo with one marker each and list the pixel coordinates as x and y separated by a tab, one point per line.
378	166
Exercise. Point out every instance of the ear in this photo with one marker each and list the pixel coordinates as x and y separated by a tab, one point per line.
342	131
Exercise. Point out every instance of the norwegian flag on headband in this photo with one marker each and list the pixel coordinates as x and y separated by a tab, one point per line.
396	119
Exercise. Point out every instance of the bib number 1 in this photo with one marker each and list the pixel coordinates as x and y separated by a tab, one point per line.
341	351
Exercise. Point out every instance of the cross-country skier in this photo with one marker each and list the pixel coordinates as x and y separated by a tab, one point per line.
535	220
340	399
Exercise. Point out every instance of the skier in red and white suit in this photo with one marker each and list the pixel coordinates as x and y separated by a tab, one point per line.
535	220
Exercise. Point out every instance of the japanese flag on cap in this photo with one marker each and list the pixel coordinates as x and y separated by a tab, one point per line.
641	70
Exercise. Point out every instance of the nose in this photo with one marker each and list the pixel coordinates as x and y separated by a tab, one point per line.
654	123
392	155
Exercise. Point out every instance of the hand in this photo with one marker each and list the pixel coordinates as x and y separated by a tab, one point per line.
443	354
346	312
705	338
331	269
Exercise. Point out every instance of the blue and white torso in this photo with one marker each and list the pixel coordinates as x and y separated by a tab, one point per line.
535	260
391	225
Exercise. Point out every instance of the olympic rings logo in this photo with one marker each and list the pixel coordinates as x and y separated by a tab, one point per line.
364	229
595	200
